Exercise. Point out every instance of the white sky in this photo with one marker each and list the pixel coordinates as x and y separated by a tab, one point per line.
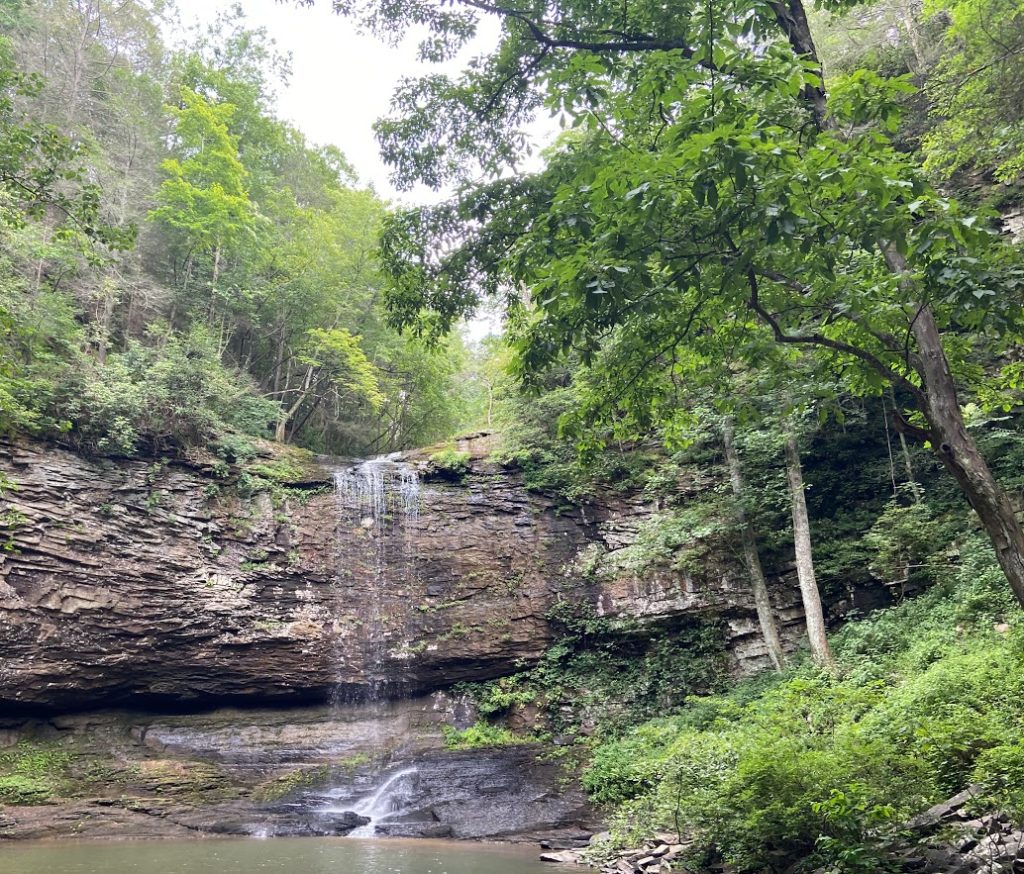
341	81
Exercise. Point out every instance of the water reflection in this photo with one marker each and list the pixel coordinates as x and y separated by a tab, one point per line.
295	856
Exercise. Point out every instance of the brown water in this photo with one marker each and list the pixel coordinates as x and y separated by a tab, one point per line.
291	855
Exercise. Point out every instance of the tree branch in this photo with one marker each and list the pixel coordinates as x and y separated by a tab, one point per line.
816	339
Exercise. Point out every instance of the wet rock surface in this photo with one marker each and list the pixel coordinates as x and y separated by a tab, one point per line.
301	771
953	839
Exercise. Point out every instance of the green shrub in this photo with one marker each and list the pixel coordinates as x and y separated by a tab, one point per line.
450	463
823	766
481	734
170	394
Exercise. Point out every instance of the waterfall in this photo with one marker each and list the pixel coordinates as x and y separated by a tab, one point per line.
388	799
378	503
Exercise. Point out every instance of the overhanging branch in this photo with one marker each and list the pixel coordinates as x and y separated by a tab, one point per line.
817	339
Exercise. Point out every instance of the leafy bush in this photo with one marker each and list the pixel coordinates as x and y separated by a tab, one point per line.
174	393
480	734
823	766
602	675
450	463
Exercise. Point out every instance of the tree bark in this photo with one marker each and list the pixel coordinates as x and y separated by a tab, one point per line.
960	454
809	593
758	586
308	384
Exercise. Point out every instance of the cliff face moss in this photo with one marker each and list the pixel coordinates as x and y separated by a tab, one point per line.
602	675
33	773
291	782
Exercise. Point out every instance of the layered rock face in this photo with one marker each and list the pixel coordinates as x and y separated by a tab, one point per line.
349	593
127	582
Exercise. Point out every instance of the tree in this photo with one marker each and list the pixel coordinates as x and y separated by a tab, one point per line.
978	90
203	196
758	586
334	362
41	169
804	555
709	185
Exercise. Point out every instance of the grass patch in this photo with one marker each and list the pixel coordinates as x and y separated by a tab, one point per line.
481	735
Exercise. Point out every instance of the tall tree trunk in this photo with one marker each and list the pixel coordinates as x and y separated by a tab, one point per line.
278	361
308	384
804	557
758	586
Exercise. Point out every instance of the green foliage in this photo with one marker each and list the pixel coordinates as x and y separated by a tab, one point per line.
171	394
480	734
32	774
450	463
824	766
905	536
977	89
248	235
204	195
42	168
602	675
282	470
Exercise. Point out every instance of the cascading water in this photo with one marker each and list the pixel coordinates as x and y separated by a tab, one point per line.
378	510
390	798
378	501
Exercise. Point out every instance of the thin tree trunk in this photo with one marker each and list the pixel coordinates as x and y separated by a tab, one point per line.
908	464
758	586
213	283
308	384
278	361
804	557
910	26
888	447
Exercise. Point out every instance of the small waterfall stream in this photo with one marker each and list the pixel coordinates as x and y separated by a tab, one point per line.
389	798
378	503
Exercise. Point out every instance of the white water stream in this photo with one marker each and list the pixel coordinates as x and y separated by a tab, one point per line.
378	502
388	799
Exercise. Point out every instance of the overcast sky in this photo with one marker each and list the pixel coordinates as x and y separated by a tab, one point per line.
342	81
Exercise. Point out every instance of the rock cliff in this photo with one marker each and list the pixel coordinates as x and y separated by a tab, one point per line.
152	612
161	584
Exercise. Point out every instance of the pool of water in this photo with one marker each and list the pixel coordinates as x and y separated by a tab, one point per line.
292	855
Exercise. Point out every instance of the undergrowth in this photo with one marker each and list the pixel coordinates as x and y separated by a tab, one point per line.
827	766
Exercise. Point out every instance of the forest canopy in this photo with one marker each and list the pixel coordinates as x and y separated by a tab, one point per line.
180	265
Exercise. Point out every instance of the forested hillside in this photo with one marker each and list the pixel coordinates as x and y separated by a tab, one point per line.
180	265
762	330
